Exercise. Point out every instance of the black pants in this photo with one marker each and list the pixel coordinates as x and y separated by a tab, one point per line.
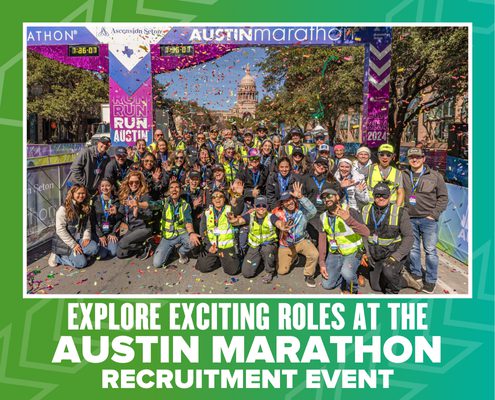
226	258
132	242
385	279
266	253
314	228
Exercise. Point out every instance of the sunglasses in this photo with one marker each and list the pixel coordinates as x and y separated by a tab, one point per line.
132	183
385	154
148	161
328	196
261	206
382	196
254	158
217	196
179	158
298	155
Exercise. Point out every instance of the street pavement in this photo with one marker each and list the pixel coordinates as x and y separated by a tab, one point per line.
132	276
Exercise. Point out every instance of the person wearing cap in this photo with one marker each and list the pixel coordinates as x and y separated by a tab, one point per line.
426	198
363	160
157	135
231	160
295	211
262	239
343	232
195	196
254	176
261	132
389	243
384	171
295	141
89	166
313	185
353	184
228	137
338	153
248	144
316	151
212	142
218	233
218	182
117	169
300	163
176	226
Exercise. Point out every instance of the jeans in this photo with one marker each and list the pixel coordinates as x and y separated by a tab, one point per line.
425	230
341	271
167	245
79	260
110	250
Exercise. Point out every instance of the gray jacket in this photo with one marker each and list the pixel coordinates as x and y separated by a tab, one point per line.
431	194
88	168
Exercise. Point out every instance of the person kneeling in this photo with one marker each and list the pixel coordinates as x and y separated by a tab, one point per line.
262	239
343	228
219	237
176	227
391	240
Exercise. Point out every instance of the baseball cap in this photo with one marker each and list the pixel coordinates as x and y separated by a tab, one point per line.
320	136
104	139
218	167
285	196
261	127
295	131
120	151
328	191
254	152
297	150
260	200
324	147
381	188
363	149
229	144
386	147
194	175
322	160
248	132
415	151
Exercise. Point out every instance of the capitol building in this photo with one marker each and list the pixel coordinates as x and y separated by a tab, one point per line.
247	101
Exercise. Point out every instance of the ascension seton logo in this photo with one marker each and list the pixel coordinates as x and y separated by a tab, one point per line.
103	32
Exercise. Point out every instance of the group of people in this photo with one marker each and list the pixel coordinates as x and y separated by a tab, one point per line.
252	203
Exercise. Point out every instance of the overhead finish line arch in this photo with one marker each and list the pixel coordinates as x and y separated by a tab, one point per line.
132	53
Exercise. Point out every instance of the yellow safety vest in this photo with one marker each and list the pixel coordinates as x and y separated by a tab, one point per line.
222	234
173	225
347	240
260	234
231	171
393	220
290	147
375	177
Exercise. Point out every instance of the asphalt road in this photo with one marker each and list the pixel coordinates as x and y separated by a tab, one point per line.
132	276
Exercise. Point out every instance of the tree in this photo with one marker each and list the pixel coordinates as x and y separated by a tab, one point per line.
429	66
308	82
63	93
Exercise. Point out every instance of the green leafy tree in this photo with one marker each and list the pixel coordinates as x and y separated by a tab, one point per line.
64	94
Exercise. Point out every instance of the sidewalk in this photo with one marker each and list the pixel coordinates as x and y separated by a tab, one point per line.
132	276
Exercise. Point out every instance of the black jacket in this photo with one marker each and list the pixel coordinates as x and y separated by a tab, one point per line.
116	173
246	175
144	215
312	191
273	188
88	168
98	217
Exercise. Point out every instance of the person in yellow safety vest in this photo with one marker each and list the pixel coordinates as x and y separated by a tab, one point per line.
141	150
383	171
153	147
231	161
261	133
389	243
227	135
218	234
343	230
248	144
176	226
262	239
296	141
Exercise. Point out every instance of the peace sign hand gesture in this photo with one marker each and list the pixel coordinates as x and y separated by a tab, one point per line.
297	190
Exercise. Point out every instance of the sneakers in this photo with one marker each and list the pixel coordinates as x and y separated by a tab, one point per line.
52	260
267	278
183	259
428	287
310	281
146	251
411	282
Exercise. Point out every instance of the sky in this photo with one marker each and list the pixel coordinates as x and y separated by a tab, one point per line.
214	84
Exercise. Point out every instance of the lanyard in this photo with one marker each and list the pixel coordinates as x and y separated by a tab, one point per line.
99	160
332	221
319	184
377	224
381	172
232	169
217	214
105	206
283	182
203	173
289	233
256	178
415	185
178	172
163	157
123	171
176	211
